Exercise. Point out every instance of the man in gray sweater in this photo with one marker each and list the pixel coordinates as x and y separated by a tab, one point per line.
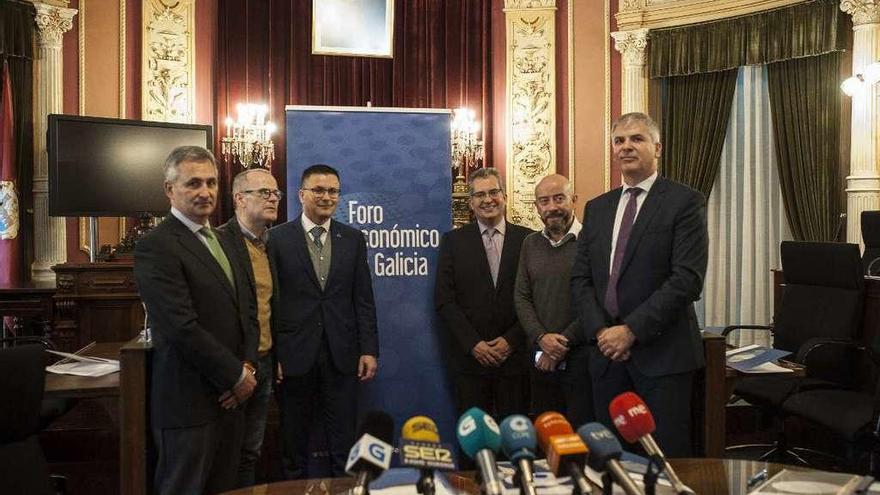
560	377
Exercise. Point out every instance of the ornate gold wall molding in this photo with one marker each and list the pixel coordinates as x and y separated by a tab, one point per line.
652	14
531	103
168	75
862	11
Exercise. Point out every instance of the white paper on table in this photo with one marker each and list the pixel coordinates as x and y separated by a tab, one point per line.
83	365
768	368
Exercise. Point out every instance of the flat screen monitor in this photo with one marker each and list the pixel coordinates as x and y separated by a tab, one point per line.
103	167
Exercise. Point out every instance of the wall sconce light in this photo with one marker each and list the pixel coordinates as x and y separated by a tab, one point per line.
248	140
861	82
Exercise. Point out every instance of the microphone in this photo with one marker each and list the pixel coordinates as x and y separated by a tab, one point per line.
480	439
565	450
635	423
371	454
518	442
420	447
605	452
841	221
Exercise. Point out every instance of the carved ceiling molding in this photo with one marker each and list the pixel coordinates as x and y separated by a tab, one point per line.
529	4
862	11
653	14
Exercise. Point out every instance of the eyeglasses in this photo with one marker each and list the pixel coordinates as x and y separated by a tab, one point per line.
320	191
265	193
492	193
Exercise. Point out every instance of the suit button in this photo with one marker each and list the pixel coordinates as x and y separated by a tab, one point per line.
320	324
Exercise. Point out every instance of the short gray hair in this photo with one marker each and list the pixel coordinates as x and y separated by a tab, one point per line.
239	181
186	154
629	118
484	173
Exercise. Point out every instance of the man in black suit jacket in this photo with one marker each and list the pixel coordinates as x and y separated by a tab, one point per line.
323	323
490	355
639	268
256	196
203	345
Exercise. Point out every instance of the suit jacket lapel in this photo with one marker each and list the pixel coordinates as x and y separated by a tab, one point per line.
474	237
646	214
302	250
336	247
605	228
188	240
242	250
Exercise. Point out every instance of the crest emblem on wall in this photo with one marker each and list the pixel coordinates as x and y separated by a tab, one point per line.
8	210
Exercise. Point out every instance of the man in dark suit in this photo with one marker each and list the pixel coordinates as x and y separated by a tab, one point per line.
256	196
203	345
476	272
639	268
323	323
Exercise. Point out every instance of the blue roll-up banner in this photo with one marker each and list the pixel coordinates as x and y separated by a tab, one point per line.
396	181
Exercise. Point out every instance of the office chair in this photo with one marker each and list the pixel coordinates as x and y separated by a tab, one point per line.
822	299
850	414
871	238
23	468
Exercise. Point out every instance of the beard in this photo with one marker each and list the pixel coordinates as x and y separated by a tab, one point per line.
558	223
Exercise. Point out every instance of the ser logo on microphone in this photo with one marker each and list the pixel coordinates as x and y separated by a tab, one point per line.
426	454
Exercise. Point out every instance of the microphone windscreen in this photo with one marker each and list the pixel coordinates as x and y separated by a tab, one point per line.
603	445
378	424
420	429
631	416
518	438
477	431
549	424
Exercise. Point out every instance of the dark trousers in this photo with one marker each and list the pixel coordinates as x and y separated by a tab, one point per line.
667	397
322	398
255	411
568	391
199	459
496	394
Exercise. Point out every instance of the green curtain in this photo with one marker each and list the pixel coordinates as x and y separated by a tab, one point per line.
802	30
695	111
16	29
805	101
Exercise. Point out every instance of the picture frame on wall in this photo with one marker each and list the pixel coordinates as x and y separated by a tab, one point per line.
360	28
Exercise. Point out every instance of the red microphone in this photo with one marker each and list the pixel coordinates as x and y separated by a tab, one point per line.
566	452
634	421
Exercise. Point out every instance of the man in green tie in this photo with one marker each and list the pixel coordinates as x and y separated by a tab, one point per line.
204	346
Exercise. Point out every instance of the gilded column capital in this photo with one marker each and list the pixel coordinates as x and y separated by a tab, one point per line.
632	45
52	22
529	4
862	11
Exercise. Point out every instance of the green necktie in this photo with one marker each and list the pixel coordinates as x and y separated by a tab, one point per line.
217	252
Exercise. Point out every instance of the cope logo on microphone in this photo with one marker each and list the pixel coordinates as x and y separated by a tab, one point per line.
519	424
467	426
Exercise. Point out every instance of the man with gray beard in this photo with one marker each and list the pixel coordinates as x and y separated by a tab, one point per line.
560	377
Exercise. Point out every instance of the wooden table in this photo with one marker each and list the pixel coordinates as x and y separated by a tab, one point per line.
704	476
86	387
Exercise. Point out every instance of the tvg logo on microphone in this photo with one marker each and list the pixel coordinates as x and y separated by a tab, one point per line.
377	451
491	424
467	426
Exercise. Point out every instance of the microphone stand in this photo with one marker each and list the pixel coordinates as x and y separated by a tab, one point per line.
607	484
425	485
655	466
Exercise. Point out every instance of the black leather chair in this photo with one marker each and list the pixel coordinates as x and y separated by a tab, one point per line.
822	299
23	467
871	237
851	414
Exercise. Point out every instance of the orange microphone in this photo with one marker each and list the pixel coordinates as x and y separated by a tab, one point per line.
566	452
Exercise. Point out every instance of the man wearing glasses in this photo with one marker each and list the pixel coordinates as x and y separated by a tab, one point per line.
476	272
256	197
323	324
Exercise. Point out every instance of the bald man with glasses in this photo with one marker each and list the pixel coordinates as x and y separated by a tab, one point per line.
256	197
